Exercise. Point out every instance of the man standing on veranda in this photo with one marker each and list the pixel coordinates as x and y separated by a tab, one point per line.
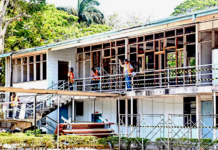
70	79
127	71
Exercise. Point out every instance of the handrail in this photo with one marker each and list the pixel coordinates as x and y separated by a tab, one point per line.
51	119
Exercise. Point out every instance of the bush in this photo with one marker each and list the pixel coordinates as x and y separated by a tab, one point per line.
30	141
78	141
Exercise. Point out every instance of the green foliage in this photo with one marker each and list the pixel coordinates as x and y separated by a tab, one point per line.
31	133
193	5
86	11
22	140
47	25
78	141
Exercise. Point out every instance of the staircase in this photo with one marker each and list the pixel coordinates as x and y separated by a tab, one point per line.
86	129
44	106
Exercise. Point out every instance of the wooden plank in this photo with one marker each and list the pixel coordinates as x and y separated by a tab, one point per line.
56	92
86	123
97	134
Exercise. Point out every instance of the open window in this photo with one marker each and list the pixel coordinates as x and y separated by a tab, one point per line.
171	58
150	45
149	61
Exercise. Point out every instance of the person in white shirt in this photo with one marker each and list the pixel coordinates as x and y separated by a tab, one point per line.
127	71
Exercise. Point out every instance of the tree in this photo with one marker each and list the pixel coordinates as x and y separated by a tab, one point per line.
86	11
193	5
5	20
47	25
129	19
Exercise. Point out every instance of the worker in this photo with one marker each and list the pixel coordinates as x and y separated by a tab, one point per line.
14	104
70	79
95	79
127	71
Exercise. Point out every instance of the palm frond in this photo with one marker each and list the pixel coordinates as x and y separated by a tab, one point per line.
69	10
88	12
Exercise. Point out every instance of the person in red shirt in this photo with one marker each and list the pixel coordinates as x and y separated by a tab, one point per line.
70	79
95	79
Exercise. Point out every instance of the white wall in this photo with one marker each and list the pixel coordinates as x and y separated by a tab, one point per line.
68	55
32	85
165	106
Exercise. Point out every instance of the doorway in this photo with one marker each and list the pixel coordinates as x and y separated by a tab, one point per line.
63	68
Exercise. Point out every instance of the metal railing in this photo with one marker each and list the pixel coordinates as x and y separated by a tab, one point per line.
202	75
25	110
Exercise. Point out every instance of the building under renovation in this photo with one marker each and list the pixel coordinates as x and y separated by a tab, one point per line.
173	87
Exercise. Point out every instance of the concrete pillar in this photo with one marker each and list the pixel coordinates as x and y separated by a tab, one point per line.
73	109
198	113
197	52
131	114
215	115
126	119
126	48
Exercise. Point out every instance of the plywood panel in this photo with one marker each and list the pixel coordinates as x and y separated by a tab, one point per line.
205	26
215	24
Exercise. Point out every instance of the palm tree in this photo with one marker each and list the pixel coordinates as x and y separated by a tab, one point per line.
86	11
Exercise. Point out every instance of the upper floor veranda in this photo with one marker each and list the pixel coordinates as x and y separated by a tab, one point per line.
173	52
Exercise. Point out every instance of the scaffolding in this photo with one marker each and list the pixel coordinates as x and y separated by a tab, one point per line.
178	131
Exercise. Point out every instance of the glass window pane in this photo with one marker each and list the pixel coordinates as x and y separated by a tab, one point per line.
44	70
31	59
24	60
18	73
38	71
24	73
18	61
44	56
31	72
37	57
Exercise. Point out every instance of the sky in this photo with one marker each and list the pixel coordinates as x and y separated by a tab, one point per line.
157	8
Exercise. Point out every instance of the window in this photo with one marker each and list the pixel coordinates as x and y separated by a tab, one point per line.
123	111
18	74
44	70
31	75
149	46
171	60
189	108
38	70
30	68
132	48
79	108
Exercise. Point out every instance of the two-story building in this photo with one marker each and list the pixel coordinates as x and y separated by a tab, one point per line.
175	72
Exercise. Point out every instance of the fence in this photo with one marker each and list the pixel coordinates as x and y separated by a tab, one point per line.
178	131
202	75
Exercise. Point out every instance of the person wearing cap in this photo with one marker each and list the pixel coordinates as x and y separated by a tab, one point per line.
70	79
127	71
95	79
15	102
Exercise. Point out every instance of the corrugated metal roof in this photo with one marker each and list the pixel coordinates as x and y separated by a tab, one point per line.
124	30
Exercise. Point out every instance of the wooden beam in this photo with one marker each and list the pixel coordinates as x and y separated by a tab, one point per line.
57	92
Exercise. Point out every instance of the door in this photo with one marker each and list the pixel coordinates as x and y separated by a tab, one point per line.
207	108
63	113
63	68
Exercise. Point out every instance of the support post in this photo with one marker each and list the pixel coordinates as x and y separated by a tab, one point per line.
11	81
214	118
58	121
35	115
131	115
126	101
119	121
94	111
198	113
73	109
